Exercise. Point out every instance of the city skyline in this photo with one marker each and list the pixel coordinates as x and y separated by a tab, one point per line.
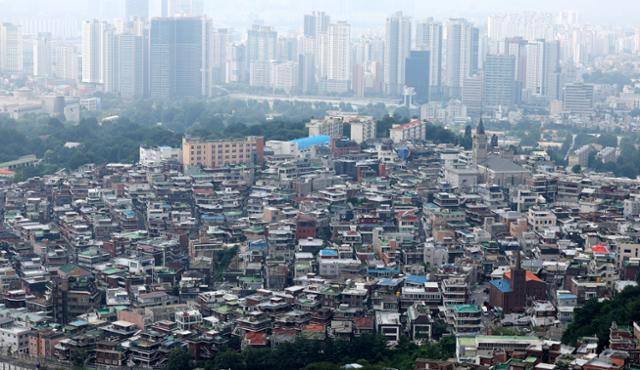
185	53
285	15
308	184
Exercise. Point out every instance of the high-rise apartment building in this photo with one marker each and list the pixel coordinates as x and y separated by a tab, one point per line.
396	50
287	49
97	42
429	38
260	73
499	82
339	57
541	68
261	43
306	73
66	62
176	57
472	94
42	55
417	74
189	8
109	59
129	79
517	47
261	50
551	70
578	98
316	23
462	54
284	75
535	67
219	44
316	29
474	50
136	9
11	52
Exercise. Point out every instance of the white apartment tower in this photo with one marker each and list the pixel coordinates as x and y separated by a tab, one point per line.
97	52
65	59
462	49
397	45
316	29
129	79
188	8
11	53
42	55
429	37
535	67
339	56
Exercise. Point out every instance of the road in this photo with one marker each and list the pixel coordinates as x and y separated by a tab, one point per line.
312	99
477	295
573	143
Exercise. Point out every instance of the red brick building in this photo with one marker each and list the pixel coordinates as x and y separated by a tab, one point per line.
512	292
305	227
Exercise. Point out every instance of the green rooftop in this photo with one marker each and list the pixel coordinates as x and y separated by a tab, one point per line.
111	271
26	159
465	308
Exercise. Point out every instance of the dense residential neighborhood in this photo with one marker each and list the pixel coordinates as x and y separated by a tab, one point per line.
246	243
319	185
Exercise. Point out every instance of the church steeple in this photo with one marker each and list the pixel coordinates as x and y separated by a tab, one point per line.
480	145
480	129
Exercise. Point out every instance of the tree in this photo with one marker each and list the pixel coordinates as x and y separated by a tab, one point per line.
595	318
494	141
78	357
439	328
441	135
607	140
448	347
609	78
179	359
576	168
383	126
401	114
322	366
566	144
228	359
467	139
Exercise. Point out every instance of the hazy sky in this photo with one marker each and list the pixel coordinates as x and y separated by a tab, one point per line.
287	14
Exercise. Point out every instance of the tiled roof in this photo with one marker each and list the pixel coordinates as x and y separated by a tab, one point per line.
530	276
502	285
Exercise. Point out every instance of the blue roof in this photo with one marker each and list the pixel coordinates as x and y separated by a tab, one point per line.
79	323
416	279
209	216
389	282
503	285
567	296
258	244
305	142
328	253
383	270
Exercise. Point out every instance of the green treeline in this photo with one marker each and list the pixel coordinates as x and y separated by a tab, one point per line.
371	351
594	318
